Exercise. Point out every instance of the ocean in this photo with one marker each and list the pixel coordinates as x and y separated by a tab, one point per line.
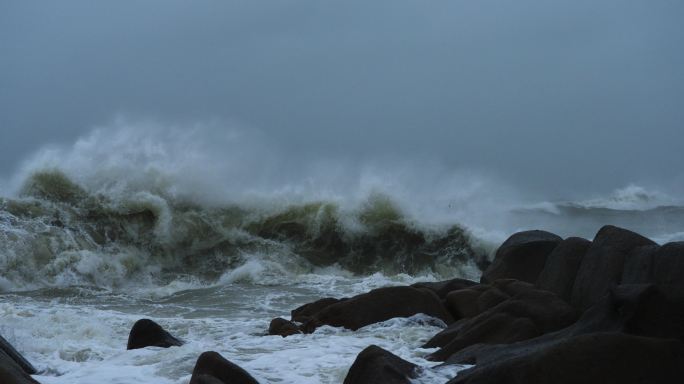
90	244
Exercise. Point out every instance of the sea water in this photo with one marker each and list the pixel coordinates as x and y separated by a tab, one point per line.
79	334
121	227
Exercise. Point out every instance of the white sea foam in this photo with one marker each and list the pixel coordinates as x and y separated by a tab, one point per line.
73	342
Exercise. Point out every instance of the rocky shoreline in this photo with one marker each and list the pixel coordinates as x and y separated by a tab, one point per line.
547	310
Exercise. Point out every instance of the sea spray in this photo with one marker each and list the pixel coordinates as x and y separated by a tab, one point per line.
58	234
145	204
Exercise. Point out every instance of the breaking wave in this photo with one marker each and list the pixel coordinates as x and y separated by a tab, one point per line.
58	233
149	205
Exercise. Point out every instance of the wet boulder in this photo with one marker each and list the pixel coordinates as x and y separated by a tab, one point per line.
12	353
521	257
602	266
657	312
638	266
11	373
668	268
212	368
376	365
524	313
14	368
147	333
601	358
470	302
445	336
379	305
464	303
282	327
305	312
492	329
624	309
560	270
443	288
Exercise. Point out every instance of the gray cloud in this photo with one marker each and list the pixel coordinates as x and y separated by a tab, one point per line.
560	97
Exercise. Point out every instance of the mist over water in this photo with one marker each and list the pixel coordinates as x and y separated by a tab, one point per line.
218	163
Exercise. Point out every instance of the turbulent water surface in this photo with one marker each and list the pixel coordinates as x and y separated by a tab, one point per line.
78	334
85	253
80	268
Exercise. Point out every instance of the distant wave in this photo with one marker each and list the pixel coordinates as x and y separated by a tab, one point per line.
631	197
651	213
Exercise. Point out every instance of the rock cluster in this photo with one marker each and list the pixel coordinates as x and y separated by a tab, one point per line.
546	310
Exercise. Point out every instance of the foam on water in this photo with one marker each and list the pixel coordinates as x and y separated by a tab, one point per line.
71	237
80	337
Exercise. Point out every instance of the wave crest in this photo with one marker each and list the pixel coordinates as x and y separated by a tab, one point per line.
58	233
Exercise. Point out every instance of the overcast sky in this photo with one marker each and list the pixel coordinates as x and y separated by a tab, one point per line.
573	95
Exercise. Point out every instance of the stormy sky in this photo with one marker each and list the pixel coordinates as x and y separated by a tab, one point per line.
557	96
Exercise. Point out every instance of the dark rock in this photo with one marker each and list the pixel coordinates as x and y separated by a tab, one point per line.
560	270
526	237
147	333
282	327
11	372
597	276
512	287
491	298
548	311
379	305
375	365
495	328
206	379
443	337
656	312
526	313
602	266
305	312
476	299
669	265
464	303
212	368
622	239
601	358
443	288
13	354
618	311
638	267
521	257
